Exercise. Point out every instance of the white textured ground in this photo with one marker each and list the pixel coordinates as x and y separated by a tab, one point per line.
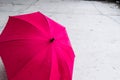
93	27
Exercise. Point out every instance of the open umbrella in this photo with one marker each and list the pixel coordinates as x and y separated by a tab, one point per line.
34	47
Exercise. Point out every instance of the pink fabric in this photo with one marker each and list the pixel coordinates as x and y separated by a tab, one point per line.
34	47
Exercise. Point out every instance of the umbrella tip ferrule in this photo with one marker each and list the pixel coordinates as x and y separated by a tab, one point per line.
52	40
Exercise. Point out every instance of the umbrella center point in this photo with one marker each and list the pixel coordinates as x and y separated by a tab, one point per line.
51	40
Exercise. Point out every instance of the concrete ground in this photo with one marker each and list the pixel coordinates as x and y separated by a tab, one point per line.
93	27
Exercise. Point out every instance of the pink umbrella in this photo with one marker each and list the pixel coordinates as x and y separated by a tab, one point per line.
34	47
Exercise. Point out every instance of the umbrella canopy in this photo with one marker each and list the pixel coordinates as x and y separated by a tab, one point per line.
34	47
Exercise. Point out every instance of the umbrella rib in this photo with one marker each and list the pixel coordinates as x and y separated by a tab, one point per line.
18	40
68	46
46	21
64	62
36	28
26	22
28	63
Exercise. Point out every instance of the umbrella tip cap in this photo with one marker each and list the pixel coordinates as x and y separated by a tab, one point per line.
52	40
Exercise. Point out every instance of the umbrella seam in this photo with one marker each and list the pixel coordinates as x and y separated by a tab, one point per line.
26	22
46	21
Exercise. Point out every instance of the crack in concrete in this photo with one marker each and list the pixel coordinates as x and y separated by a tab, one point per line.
101	13
22	10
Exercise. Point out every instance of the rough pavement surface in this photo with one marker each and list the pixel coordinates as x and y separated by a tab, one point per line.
93	27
